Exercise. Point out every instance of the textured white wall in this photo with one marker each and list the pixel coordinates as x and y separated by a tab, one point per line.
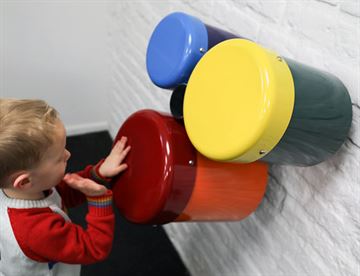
308	222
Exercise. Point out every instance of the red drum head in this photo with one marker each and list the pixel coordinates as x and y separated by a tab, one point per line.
158	182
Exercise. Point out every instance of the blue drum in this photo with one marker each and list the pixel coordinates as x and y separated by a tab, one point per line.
176	45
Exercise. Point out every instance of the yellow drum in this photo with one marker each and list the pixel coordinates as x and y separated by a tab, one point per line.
244	103
233	109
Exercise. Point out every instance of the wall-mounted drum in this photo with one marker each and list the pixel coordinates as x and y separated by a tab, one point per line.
176	45
244	103
168	180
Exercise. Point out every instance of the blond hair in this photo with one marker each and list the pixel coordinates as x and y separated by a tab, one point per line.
27	130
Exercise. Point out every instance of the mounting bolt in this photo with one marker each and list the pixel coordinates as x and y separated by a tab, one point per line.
279	58
202	50
191	162
261	152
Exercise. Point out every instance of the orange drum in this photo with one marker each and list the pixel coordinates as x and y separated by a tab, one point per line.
168	180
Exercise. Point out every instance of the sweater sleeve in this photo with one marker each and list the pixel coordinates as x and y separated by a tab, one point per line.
71	197
45	236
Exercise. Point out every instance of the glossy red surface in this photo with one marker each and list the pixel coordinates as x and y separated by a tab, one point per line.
168	180
159	180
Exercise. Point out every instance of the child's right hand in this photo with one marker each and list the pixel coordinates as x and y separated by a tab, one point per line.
84	185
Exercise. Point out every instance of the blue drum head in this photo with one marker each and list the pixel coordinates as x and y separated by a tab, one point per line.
176	45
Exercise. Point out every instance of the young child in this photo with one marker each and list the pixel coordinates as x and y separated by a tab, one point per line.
36	235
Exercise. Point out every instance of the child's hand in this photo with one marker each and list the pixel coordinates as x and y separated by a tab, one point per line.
84	185
112	164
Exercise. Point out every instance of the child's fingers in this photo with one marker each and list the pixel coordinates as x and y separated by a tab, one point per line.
124	153
72	177
119	155
74	180
121	168
69	178
84	185
120	144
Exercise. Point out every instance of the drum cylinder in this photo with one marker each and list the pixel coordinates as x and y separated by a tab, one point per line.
167	180
176	45
320	120
244	103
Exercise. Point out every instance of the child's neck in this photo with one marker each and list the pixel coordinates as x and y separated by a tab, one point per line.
11	193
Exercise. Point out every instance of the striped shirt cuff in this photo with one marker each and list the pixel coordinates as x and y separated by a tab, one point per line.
100	205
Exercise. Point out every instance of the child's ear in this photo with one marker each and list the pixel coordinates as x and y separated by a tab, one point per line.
21	180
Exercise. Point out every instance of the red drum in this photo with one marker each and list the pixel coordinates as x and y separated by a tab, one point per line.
167	180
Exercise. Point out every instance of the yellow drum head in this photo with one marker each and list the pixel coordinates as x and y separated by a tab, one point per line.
238	101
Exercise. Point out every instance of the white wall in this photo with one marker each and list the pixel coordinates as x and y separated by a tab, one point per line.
57	51
308	222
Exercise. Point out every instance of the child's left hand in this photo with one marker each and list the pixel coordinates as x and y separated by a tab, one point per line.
113	163
84	185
